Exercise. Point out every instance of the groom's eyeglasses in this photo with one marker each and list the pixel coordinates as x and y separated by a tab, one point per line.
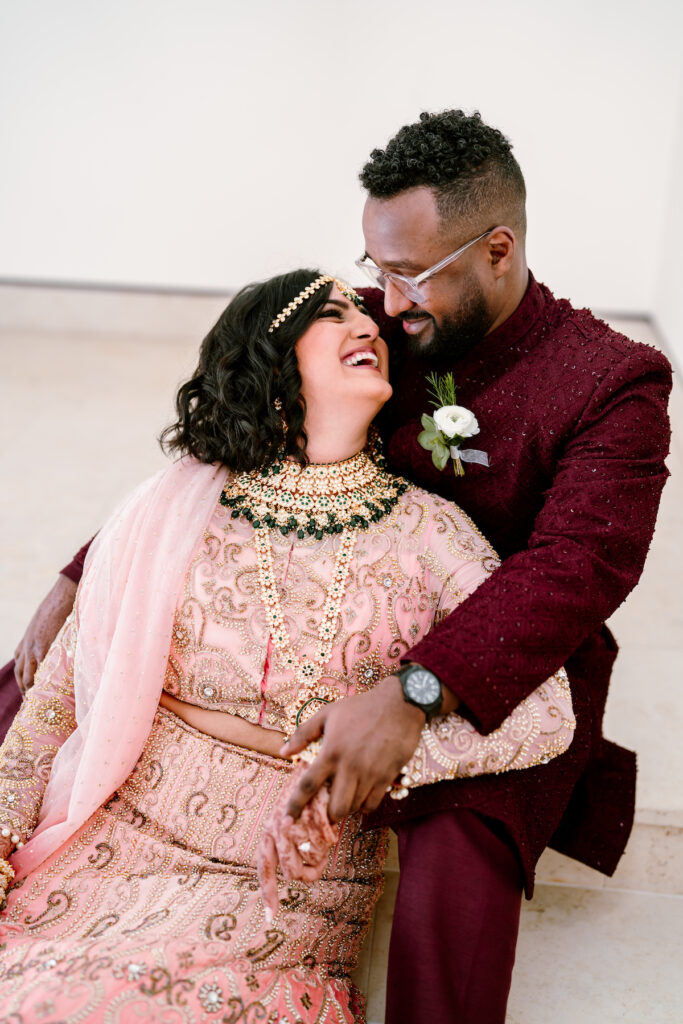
410	286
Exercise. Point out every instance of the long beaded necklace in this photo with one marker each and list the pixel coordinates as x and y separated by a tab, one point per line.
310	693
338	498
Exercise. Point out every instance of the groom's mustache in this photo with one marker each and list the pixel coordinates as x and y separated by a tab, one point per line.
415	314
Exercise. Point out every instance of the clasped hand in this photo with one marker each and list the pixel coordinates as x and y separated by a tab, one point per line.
366	740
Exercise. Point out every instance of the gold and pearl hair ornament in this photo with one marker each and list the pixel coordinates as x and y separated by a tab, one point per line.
309	290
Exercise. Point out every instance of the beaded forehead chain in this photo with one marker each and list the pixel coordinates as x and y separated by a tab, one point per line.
309	290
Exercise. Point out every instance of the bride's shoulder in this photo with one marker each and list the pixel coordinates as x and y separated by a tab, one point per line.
431	504
439	519
186	480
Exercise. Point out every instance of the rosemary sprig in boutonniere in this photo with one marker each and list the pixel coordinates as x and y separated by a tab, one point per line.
450	425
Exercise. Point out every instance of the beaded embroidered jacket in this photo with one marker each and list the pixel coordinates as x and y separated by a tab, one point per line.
574	419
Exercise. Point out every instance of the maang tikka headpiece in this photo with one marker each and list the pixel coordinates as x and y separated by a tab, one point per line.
309	290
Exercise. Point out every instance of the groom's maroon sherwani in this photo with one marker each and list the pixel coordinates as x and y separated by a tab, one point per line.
573	418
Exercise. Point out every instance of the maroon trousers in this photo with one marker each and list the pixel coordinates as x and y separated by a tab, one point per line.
455	922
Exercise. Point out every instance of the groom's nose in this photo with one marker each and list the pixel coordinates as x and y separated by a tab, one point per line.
395	302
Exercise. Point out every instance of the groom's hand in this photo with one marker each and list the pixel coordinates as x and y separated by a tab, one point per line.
367	739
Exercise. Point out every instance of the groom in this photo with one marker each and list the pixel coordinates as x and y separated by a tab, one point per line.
573	419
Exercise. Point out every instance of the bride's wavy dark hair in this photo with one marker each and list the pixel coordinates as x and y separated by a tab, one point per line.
226	409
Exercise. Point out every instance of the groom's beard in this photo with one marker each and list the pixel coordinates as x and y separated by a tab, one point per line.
455	335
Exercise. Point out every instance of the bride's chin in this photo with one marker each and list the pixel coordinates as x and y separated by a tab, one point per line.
386	391
380	395
377	386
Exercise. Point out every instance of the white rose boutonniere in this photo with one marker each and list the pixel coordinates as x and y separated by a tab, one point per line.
456	421
445	431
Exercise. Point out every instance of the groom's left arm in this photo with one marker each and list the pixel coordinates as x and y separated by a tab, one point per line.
585	554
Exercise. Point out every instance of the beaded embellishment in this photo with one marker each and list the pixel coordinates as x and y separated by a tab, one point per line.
309	290
307	671
315	499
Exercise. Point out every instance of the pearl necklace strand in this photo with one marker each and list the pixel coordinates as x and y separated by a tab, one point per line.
338	498
307	671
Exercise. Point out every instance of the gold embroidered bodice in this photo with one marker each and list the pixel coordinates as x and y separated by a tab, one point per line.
407	572
408	569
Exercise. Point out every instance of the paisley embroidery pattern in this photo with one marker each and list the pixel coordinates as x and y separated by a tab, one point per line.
152	910
165	919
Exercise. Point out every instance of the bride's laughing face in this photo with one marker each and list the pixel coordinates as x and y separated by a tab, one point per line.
343	362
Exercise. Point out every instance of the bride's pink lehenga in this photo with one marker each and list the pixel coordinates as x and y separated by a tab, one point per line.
144	905
152	911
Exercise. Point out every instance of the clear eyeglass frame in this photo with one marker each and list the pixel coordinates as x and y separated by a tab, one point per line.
410	286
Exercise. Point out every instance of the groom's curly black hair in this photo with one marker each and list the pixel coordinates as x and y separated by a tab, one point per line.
468	165
226	411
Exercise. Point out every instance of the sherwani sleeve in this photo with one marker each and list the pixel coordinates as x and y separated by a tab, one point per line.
74	570
44	722
458	560
585	553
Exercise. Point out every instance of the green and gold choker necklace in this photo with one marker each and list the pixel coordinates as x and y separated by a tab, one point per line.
315	499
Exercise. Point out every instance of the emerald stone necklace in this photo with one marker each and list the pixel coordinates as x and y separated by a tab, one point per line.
315	499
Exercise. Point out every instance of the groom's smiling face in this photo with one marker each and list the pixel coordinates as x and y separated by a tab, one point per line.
406	235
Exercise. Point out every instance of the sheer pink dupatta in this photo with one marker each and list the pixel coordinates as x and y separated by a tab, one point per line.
124	611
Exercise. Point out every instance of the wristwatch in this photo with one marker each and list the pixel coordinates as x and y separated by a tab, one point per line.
421	688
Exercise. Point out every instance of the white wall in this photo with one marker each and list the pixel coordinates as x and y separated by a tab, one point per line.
668	300
205	143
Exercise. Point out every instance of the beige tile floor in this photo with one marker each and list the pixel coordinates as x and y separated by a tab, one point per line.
85	386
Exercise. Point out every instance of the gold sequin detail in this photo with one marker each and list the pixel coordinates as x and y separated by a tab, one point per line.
315	499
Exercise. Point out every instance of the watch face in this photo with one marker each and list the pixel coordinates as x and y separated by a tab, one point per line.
423	687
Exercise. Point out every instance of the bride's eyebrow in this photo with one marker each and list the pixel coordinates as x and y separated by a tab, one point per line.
344	304
341	304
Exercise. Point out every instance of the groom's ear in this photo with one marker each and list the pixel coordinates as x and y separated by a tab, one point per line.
501	246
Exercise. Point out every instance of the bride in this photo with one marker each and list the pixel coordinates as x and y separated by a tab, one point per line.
277	565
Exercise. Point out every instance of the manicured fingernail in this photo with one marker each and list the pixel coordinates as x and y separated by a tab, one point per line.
269	915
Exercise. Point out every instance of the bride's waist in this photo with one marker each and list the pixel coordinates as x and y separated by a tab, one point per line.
226	727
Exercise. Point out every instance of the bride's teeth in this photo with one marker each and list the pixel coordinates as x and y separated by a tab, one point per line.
361	357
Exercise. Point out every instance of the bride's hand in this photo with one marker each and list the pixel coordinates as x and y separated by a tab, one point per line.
300	847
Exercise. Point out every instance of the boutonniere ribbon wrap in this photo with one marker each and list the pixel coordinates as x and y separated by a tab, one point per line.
444	432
